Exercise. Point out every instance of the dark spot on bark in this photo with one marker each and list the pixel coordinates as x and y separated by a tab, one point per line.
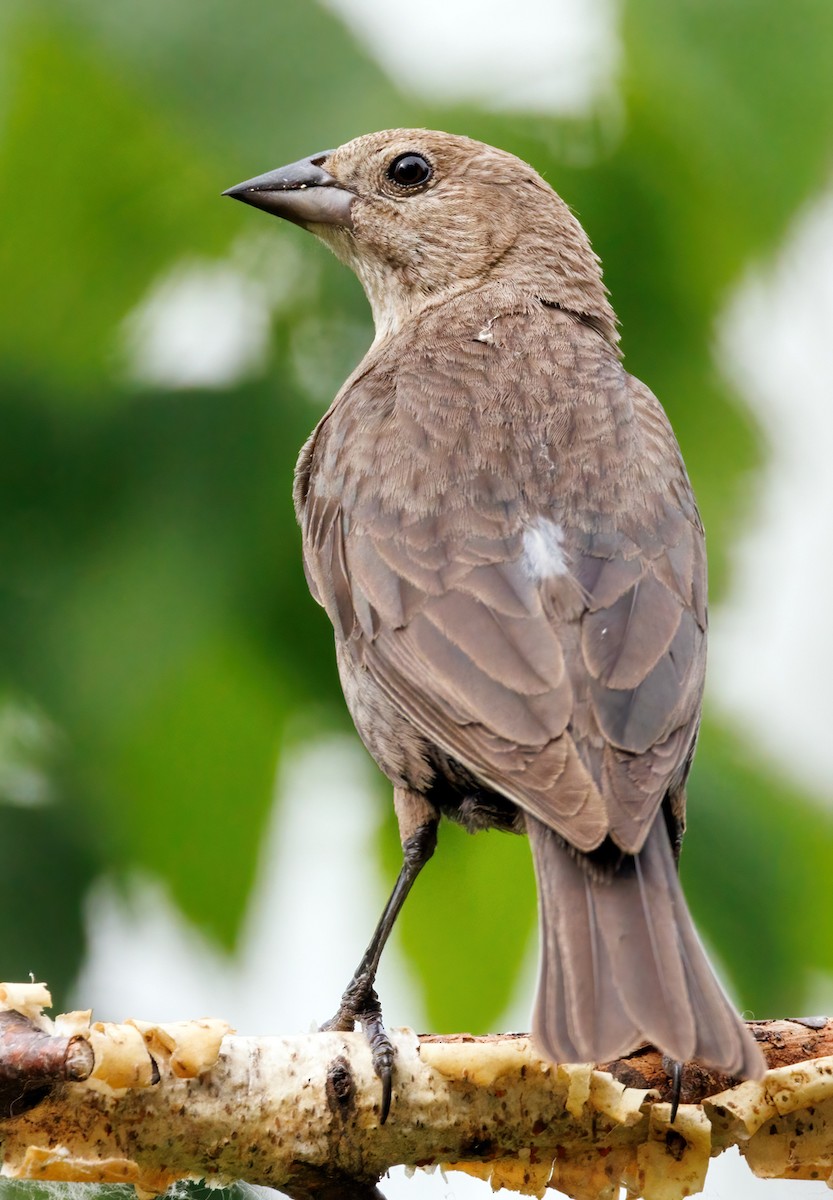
477	1147
27	1097
341	1087
675	1144
624	1073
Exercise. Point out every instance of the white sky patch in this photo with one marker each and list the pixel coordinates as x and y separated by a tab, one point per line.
207	323
772	642
203	325
531	55
543	550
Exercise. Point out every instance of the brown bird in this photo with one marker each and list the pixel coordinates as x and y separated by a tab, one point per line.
498	521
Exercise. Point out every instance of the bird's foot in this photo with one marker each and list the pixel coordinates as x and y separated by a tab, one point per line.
360	1003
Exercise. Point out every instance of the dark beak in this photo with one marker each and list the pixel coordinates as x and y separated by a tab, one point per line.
303	192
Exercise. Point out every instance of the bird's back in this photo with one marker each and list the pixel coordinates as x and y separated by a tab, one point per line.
498	520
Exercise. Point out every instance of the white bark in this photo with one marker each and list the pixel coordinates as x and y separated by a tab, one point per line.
301	1114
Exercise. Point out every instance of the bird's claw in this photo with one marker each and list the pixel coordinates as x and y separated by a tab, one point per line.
360	1003
381	1051
674	1070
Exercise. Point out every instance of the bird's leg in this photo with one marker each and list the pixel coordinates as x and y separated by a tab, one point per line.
418	821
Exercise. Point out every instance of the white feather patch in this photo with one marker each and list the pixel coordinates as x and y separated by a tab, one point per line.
543	554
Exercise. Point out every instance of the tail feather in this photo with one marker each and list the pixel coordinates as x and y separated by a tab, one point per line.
588	981
621	964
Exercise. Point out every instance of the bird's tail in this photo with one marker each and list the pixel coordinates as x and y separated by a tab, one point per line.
621	964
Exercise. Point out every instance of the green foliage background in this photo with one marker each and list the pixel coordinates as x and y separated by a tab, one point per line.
157	642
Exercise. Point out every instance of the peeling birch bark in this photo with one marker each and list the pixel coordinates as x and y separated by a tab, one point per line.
182	1101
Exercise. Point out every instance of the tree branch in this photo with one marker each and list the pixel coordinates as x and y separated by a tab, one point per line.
162	1103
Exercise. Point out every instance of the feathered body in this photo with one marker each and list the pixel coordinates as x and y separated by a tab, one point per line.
498	521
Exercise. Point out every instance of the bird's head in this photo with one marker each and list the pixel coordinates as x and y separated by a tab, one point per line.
421	216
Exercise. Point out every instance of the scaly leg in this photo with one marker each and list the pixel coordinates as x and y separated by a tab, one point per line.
418	821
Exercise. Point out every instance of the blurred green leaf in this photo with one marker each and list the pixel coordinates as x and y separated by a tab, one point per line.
46	863
189	787
135	644
755	866
283	80
85	170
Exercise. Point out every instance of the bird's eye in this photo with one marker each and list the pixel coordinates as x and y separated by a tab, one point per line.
410	170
